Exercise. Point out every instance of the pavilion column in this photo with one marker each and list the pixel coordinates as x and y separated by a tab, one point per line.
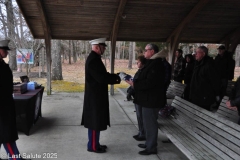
112	60
49	64
47	37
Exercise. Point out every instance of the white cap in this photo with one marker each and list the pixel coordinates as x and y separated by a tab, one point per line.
100	41
4	44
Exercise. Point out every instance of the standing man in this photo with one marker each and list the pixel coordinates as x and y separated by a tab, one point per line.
225	65
179	66
8	130
149	94
95	115
205	84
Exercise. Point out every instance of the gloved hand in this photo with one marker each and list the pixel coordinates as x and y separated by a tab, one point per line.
122	75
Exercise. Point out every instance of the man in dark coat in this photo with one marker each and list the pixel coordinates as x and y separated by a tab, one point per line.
95	115
205	83
225	65
8	130
149	94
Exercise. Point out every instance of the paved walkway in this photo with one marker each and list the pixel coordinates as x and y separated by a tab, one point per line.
59	133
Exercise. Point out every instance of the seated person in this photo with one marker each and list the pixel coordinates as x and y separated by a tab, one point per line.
234	102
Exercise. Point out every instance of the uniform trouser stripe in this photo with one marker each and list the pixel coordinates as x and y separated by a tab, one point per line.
12	150
93	139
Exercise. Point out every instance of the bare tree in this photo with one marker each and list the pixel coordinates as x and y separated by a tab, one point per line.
11	33
130	55
56	60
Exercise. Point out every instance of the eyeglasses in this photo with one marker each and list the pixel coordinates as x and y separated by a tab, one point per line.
147	50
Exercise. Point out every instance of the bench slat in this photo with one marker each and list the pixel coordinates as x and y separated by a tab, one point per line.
194	146
207	121
195	132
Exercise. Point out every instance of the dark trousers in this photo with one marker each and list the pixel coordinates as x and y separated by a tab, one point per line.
12	151
150	116
141	130
93	139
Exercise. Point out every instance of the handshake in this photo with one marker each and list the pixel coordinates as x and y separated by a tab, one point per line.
125	77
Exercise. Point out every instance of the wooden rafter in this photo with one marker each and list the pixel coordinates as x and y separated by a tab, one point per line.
43	17
188	19
116	23
114	34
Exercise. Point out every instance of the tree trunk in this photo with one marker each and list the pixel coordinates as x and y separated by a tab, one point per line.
123	52
69	53
74	52
10	24
56	61
134	52
130	49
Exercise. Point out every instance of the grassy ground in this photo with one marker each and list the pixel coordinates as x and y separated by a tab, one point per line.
74	76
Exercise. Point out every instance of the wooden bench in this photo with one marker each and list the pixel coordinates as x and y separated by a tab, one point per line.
227	113
200	134
175	89
229	88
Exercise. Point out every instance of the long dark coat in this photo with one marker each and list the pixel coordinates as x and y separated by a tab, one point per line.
205	83
96	105
8	131
149	85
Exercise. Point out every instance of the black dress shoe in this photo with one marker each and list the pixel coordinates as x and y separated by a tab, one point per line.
99	150
135	136
140	138
142	146
145	152
103	146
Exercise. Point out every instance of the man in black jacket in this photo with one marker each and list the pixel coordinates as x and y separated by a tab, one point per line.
8	130
149	94
205	83
225	65
95	115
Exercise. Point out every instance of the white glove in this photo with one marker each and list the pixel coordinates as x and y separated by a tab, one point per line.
122	75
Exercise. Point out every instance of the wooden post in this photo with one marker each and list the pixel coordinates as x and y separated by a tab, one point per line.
49	62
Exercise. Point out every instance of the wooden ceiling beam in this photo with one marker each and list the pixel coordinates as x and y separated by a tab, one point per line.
43	17
188	19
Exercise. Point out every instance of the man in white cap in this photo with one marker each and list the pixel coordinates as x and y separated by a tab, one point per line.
95	115
8	134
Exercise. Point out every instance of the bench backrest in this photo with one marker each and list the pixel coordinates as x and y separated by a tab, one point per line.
219	135
227	113
176	89
229	87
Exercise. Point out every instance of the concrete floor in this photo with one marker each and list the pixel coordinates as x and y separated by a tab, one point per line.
59	133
